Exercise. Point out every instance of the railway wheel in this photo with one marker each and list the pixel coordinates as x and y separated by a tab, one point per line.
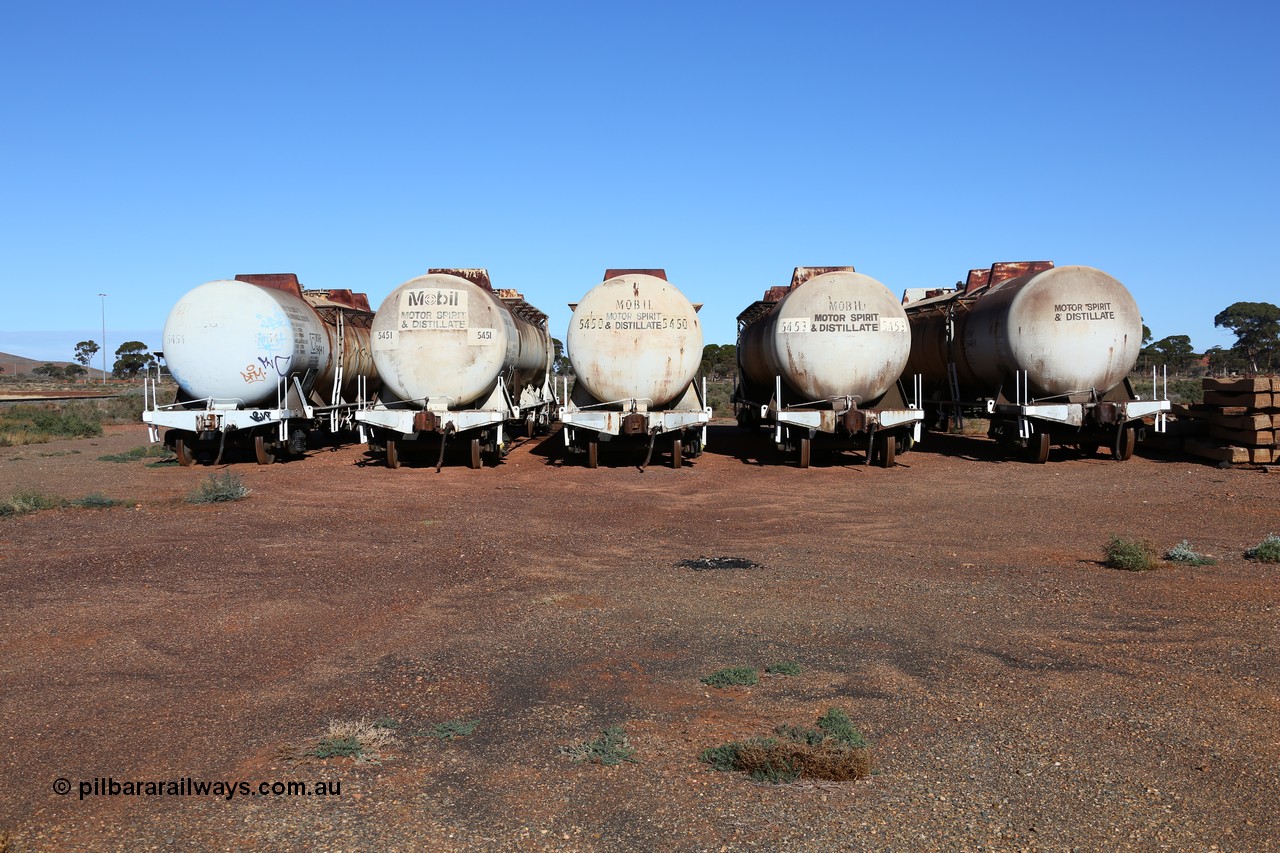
185	457
1038	448
886	450
806	446
262	452
677	453
593	453
393	453
476	460
1126	441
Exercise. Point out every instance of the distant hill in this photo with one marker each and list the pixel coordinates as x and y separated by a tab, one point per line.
17	365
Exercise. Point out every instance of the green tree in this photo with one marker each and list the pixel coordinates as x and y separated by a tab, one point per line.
560	365
49	370
1225	361
719	361
85	351
1257	329
73	371
1175	351
131	359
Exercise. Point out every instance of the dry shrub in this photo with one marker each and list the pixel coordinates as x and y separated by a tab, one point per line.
363	741
786	760
835	750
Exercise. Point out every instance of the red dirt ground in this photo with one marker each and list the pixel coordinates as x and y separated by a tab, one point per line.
1018	695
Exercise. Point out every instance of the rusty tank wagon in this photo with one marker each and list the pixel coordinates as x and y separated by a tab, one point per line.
635	345
1044	352
459	361
260	361
822	361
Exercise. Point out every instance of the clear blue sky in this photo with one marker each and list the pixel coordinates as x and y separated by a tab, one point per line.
151	147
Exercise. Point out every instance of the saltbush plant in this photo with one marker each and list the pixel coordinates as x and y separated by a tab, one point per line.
784	667
610	749
1266	551
217	488
25	501
1186	555
733	675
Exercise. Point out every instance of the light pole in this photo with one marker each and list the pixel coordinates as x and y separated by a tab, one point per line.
103	296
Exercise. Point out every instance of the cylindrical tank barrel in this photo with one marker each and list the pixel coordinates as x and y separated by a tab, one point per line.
1071	329
840	334
440	335
233	341
635	337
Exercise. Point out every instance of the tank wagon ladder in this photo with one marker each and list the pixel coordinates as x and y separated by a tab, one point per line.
953	375
362	391
340	361
633	417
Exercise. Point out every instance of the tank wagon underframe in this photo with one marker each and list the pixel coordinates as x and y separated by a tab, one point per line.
1115	422
838	423
430	419
587	423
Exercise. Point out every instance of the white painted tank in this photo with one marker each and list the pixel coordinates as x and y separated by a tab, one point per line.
837	334
1073	329
441	335
233	341
635	337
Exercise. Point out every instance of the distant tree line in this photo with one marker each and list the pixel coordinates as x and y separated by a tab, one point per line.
132	358
1256	350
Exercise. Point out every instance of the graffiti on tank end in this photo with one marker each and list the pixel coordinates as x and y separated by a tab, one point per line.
271	331
275	363
270	341
253	373
272	321
259	415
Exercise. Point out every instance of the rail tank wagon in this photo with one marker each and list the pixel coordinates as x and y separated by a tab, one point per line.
635	344
459	361
260	361
823	359
1042	351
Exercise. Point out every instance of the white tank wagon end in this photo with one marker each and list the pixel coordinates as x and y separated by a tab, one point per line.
822	360
260	361
1043	351
635	345
459	361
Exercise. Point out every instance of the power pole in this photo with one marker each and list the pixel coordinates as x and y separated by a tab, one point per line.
103	296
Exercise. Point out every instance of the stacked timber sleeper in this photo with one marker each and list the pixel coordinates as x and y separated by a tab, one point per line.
1237	423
